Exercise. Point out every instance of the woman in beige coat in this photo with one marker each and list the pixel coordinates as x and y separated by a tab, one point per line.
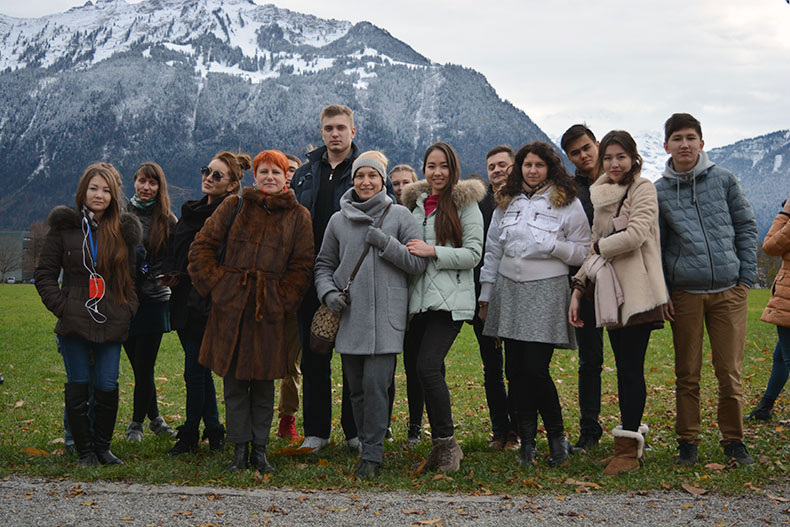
625	264
777	312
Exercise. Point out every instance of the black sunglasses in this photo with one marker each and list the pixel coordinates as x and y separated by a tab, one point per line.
206	171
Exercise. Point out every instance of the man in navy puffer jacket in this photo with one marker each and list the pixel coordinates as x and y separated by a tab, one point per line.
709	252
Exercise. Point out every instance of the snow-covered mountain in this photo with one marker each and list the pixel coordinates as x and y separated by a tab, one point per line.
175	81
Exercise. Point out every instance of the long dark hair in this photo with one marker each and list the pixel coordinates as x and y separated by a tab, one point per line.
156	241
624	139
113	255
556	171
448	224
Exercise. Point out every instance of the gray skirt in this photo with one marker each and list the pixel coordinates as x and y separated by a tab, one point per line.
535	311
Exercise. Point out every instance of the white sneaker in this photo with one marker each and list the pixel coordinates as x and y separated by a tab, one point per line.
314	443
354	444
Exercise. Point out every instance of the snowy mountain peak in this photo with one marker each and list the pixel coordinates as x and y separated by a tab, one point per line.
227	36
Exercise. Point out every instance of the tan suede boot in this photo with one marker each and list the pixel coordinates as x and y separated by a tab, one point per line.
628	449
445	455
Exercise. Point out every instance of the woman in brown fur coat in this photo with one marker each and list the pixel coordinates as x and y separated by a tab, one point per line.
266	270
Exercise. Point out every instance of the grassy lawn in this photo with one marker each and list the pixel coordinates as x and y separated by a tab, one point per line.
31	405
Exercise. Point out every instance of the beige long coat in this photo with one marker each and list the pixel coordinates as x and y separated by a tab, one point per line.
777	243
635	253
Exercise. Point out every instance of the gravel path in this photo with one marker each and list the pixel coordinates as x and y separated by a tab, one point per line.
30	501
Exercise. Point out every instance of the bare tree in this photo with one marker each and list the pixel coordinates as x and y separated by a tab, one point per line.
10	258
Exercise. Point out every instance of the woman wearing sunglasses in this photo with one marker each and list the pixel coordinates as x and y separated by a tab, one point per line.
262	278
188	311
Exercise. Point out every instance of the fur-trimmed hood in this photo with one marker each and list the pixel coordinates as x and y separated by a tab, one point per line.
465	192
557	196
64	218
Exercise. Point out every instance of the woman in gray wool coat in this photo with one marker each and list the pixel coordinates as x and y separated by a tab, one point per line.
373	320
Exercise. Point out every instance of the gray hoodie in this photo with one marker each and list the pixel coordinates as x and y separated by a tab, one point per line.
708	230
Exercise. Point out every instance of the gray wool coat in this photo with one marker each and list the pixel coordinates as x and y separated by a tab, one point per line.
375	320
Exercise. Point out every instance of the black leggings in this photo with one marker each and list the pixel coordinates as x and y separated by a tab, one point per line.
629	345
531	385
142	351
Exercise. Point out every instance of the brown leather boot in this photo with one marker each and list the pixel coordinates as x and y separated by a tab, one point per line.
627	451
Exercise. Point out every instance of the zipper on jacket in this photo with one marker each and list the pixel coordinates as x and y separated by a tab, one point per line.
707	243
331	173
458	277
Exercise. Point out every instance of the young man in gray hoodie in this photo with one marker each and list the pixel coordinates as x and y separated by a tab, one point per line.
709	252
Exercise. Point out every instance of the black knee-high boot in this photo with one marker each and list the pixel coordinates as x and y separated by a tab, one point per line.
527	430
77	408
104	415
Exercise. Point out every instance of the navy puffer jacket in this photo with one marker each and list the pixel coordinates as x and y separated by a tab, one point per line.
708	230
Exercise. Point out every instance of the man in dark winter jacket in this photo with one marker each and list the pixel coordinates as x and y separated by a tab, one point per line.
499	162
580	146
709	251
318	185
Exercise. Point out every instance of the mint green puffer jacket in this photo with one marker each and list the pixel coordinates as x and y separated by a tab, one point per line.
448	282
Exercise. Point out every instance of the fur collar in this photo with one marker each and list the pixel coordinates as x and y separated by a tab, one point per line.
65	218
465	193
603	192
280	200
556	196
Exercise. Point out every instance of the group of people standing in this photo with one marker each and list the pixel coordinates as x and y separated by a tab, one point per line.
537	261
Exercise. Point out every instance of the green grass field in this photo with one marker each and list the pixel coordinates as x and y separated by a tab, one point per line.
32	403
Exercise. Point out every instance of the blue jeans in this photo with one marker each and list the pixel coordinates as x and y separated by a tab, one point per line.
781	365
101	373
201	394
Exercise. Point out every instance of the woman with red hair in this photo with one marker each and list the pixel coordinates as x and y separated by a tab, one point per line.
265	272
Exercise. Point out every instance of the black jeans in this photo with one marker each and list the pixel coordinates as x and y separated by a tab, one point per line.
500	404
142	351
531	385
317	381
201	394
590	340
629	345
427	342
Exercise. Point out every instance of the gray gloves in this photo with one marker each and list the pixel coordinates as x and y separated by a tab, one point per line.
334	301
376	237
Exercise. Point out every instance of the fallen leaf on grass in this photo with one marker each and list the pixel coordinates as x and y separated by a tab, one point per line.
532	482
778	499
323	462
420	467
752	487
571	481
714	466
57	440
412	511
695	491
437	477
34	452
19	403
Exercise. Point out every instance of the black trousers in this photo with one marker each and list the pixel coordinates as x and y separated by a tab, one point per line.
142	351
629	345
500	403
590	340
317	381
531	385
428	340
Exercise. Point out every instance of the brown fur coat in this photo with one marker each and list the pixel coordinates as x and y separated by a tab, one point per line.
267	268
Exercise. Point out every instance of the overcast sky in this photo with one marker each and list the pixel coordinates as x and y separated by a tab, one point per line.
611	63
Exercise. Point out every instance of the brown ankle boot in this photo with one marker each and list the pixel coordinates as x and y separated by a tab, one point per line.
627	451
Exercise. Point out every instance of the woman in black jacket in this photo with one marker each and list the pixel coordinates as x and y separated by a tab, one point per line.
189	312
94	246
151	205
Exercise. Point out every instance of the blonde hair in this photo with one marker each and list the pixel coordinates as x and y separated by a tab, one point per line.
404	168
237	164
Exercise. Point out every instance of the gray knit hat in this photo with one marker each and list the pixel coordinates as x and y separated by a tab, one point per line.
373	163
